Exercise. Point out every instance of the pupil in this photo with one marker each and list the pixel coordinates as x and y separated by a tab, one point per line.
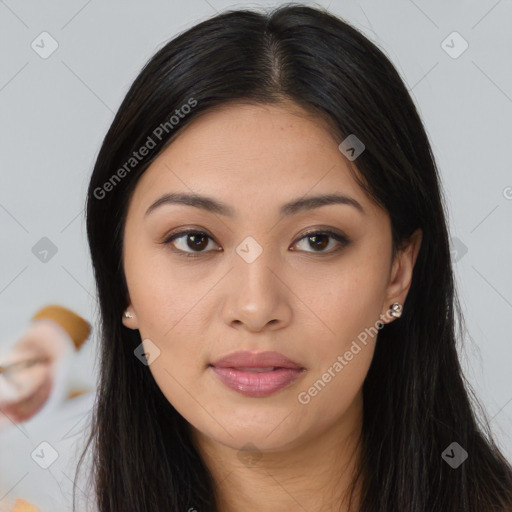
319	245
196	245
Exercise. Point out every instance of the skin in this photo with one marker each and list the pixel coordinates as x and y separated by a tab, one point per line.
291	299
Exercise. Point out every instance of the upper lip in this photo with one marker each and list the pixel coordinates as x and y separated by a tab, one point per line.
247	359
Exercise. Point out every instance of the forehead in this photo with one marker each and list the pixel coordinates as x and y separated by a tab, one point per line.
247	153
239	129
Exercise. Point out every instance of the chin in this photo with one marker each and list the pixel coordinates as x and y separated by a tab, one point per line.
266	434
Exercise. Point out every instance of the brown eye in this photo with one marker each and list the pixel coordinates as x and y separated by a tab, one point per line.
319	240
196	241
189	242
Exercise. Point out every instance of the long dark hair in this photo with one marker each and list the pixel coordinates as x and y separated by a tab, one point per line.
416	399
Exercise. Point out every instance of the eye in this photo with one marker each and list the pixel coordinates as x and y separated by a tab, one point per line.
319	240
195	240
192	243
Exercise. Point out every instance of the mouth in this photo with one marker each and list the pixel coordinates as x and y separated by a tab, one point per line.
258	370
256	375
257	382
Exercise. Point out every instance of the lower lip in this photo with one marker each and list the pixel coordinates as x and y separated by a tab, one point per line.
256	383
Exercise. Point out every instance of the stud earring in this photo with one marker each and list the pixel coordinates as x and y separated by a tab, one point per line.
128	315
396	309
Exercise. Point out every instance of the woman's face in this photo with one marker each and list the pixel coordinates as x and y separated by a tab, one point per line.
253	276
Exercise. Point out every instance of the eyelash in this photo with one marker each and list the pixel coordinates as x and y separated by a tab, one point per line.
343	240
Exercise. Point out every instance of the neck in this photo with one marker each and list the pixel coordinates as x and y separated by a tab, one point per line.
313	474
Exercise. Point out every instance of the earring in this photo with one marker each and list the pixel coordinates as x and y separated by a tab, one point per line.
396	309
128	315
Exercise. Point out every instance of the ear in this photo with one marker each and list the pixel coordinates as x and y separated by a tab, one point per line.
401	273
131	323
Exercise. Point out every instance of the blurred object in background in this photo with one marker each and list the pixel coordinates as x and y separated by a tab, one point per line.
33	374
24	506
40	415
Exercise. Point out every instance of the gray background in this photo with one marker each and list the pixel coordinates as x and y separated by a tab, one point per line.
54	113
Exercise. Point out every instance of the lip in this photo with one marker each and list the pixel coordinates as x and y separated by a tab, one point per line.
247	359
256	374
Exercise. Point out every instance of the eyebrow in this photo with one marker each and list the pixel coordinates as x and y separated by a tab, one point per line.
293	207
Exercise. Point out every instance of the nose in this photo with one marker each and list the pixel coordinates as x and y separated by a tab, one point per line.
256	295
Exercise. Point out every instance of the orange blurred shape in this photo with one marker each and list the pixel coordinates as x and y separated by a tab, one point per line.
24	506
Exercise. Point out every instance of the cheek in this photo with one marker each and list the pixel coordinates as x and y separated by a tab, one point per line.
344	346
158	292
344	303
350	307
171	315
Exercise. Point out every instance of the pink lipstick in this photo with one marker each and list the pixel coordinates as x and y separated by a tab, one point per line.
256	374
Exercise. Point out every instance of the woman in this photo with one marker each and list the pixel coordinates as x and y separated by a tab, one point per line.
278	309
